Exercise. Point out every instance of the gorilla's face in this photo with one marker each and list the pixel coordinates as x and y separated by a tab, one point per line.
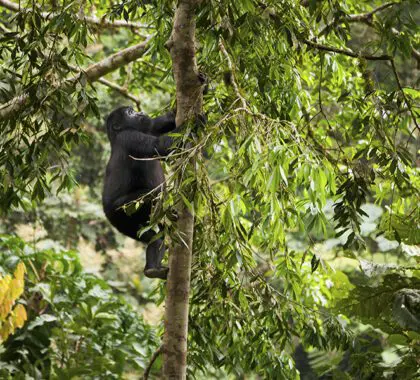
136	120
126	118
130	115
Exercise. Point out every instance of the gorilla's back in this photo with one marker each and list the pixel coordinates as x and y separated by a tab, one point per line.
127	179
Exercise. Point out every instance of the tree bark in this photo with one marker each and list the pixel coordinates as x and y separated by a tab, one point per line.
189	103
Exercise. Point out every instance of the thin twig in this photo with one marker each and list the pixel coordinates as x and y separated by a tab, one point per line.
397	78
255	114
193	148
232	73
321	109
152	360
121	90
167	179
151	65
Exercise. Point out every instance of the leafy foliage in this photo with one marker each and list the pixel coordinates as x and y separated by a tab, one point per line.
76	325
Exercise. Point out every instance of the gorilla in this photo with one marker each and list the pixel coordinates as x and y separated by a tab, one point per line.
136	134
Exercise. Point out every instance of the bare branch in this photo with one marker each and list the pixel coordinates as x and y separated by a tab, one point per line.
115	24
11	6
362	17
152	360
349	53
121	90
368	15
92	74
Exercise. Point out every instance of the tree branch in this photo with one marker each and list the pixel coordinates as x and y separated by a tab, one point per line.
11	6
349	53
152	360
92	74
362	17
368	15
121	90
369	58
367	18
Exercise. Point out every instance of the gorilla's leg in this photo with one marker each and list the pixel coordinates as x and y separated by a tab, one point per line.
154	255
129	225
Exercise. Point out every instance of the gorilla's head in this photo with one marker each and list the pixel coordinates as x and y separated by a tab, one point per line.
126	118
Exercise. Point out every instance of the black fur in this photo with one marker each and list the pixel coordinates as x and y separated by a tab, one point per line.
136	134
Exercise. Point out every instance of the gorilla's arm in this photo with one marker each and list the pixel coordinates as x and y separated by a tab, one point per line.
164	124
143	145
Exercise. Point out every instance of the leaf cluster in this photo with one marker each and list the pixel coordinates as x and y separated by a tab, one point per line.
76	325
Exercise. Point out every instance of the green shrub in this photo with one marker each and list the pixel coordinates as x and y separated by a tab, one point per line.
76	326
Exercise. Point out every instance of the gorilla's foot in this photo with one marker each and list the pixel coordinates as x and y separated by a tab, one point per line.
160	272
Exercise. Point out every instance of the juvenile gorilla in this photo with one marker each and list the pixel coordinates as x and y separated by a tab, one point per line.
136	134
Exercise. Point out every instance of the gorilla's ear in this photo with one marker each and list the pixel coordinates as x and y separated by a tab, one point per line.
116	119
117	126
114	124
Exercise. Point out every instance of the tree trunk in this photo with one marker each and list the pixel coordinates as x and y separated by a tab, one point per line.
189	103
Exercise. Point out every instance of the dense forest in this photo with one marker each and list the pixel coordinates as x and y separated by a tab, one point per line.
289	207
